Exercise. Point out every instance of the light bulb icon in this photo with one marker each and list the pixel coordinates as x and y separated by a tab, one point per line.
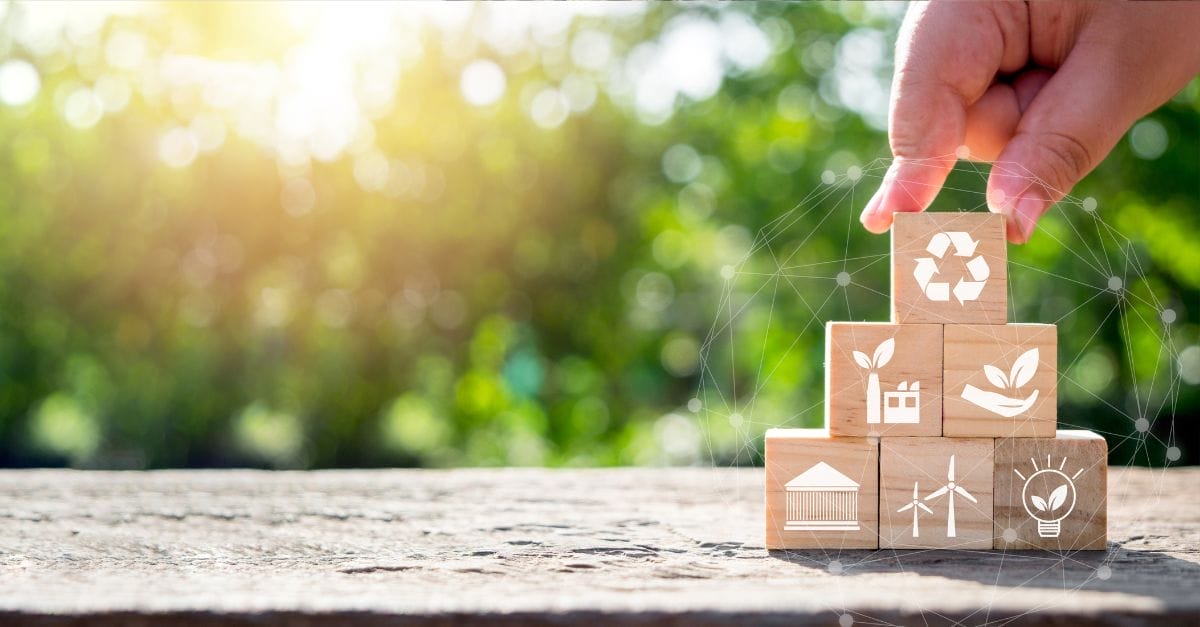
1048	496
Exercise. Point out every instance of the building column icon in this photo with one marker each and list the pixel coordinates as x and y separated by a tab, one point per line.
822	499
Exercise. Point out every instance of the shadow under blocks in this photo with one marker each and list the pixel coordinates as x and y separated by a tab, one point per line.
940	424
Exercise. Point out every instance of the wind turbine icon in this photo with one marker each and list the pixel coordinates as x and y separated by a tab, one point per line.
951	488
913	505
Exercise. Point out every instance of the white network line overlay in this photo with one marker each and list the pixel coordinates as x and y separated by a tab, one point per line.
1114	265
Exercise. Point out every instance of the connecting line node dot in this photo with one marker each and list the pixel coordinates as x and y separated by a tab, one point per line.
996	198
845	620
807	270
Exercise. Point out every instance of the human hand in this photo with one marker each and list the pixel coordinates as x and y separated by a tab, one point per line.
1042	89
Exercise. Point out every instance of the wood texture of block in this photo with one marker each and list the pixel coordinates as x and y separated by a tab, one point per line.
946	475
949	268
1051	493
883	379
565	547
822	492
996	384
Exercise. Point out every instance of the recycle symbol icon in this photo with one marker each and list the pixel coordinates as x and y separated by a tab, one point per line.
927	268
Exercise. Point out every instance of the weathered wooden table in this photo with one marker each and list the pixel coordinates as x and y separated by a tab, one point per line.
680	546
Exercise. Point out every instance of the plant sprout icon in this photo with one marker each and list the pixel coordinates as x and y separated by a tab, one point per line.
1048	511
883	354
914	505
952	488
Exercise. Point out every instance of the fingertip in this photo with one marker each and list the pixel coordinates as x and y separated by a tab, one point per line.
874	217
1021	219
1024	217
1013	232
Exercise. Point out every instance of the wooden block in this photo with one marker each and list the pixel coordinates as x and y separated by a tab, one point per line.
1000	380
822	491
936	493
883	379
1051	493
949	268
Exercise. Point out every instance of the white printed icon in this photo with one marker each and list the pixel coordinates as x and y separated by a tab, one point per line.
951	488
927	268
1023	370
1048	510
821	499
914	505
902	406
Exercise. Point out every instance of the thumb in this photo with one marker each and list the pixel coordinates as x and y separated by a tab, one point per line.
1080	113
1076	119
946	57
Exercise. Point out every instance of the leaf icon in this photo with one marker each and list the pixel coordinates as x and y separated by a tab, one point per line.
861	359
1024	368
1038	503
883	352
1057	497
995	376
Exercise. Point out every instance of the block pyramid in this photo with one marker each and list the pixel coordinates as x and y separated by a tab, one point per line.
940	426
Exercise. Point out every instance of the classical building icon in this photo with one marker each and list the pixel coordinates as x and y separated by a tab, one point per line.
822	499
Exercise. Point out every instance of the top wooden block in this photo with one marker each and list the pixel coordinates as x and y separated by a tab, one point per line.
949	268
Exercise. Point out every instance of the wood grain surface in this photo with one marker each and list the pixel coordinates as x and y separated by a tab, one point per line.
916	359
508	547
925	462
791	452
968	348
1081	457
911	237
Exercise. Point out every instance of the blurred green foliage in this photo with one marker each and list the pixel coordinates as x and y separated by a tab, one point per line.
328	235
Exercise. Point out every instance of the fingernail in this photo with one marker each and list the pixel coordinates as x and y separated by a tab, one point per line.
867	217
1025	215
1005	191
874	216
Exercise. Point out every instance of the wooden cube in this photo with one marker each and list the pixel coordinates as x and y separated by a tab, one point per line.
1000	380
822	492
883	379
949	268
1051	493
936	493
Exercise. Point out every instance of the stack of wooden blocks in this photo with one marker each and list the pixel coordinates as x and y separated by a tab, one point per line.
940	427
